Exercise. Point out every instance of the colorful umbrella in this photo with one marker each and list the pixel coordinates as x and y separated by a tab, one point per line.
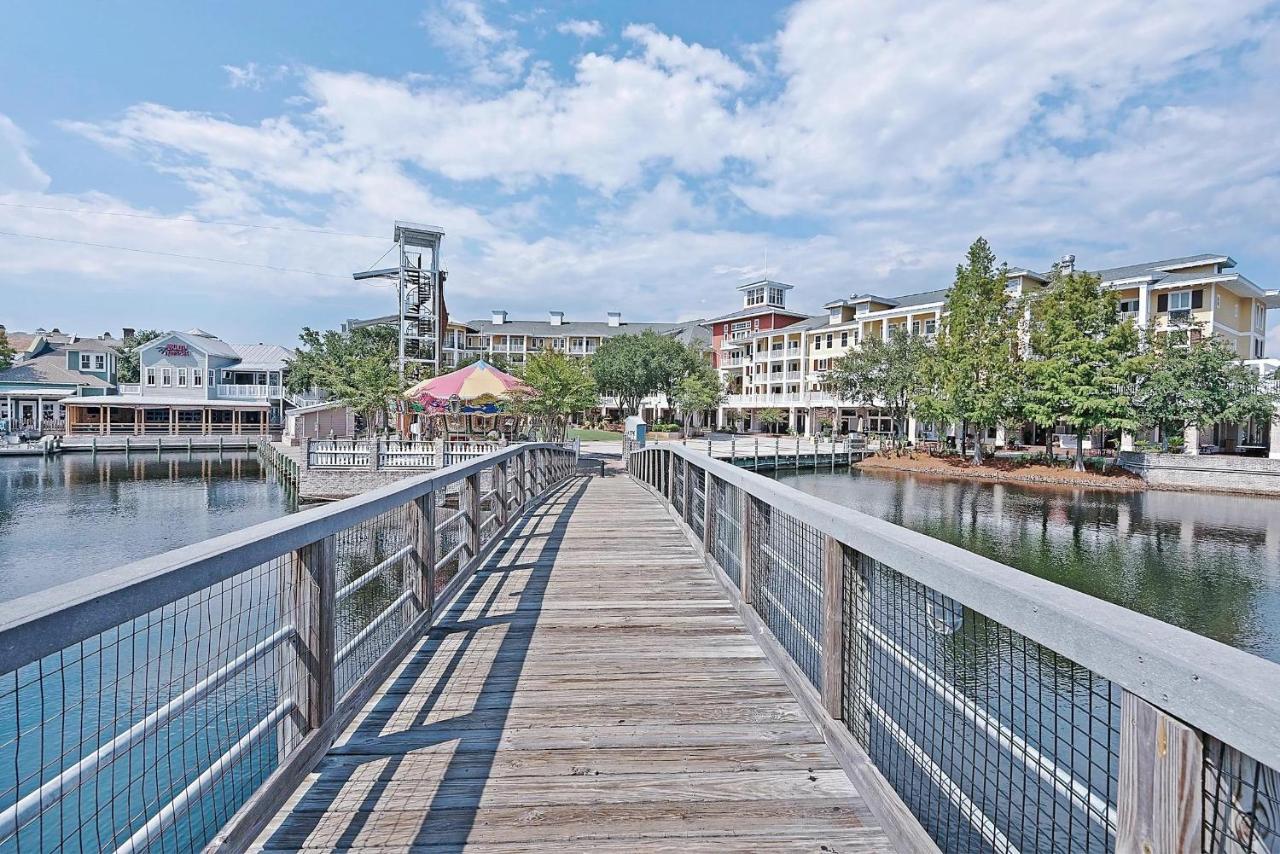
478	383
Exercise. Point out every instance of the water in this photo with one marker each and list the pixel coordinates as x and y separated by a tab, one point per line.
65	517
1207	563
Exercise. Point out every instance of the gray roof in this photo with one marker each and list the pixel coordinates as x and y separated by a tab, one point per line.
544	328
205	343
752	311
262	357
50	367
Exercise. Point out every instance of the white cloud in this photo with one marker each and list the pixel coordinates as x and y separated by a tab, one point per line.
863	150
252	76
491	54
18	171
580	29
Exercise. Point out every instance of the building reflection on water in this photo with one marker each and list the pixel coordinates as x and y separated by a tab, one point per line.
1209	563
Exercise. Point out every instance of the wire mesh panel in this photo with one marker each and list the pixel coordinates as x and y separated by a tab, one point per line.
179	703
786	583
450	534
994	742
374	602
726	528
697	500
1242	802
677	491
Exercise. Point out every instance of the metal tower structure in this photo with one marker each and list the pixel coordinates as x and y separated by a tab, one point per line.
420	286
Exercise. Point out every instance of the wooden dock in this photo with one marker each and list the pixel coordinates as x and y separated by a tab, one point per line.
592	689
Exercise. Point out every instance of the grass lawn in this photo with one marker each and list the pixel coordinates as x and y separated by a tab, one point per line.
594	435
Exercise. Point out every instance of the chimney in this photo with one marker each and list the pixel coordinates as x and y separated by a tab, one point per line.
127	332
615	318
1067	264
557	318
499	318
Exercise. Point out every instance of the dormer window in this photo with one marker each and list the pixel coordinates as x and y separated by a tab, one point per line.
775	296
755	296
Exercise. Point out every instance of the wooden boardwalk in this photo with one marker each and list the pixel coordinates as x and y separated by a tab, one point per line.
592	689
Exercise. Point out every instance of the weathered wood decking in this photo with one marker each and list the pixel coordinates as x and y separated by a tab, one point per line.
593	689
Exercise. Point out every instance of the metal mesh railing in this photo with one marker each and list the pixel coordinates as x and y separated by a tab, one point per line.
1242	802
697	500
786	583
677	487
993	737
96	738
153	731
994	742
726	528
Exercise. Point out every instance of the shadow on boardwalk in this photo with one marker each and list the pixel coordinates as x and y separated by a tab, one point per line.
478	733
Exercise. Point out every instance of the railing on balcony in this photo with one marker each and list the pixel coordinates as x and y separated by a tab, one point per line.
379	453
129	388
247	392
175	701
1010	714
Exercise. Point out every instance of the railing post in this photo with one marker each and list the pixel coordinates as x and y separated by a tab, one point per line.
423	511
500	496
374	444
470	500
306	451
310	584
687	491
706	511
832	625
744	543
1160	799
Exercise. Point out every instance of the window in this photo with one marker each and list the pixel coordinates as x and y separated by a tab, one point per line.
99	362
915	327
817	343
755	296
151	376
182	376
1180	301
1129	306
211	376
835	315
775	296
931	327
844	339
197	377
84	361
831	338
166	376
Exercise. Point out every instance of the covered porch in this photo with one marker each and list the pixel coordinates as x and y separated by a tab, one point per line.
110	416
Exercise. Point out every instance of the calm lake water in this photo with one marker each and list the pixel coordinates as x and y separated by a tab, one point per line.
1208	563
69	516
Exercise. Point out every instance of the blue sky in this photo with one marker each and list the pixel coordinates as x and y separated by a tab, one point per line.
596	156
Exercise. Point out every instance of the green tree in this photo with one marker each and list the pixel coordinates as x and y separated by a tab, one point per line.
6	351
559	387
772	416
632	367
698	391
1180	382
1081	354
127	366
888	374
356	367
973	378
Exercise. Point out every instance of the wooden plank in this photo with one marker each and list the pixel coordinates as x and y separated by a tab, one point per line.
1159	802
832	626
590	688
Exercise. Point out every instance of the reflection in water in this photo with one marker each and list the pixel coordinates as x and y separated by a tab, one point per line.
65	517
1208	563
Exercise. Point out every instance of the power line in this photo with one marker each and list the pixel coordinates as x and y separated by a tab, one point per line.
193	220
174	255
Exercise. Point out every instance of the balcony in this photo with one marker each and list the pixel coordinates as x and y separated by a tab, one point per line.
130	388
246	392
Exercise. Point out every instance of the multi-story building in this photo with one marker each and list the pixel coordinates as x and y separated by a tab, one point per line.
1194	295
516	340
52	367
192	382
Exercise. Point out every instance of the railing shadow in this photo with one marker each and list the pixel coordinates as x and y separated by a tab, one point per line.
449	818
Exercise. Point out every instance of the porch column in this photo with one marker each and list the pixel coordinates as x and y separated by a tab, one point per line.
912	427
173	421
1273	445
262	423
108	421
39	413
1191	441
137	421
102	419
235	422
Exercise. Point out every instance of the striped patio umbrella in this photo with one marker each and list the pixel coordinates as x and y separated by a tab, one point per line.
478	383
